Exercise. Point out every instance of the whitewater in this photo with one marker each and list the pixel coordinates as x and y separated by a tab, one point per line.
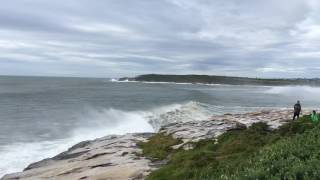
41	117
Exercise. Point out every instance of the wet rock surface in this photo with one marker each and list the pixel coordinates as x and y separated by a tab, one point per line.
110	157
119	157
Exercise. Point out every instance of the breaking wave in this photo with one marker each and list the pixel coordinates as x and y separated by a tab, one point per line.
98	123
159	82
95	123
302	92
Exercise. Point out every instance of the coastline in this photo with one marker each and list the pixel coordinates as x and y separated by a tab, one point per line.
213	84
228	80
120	157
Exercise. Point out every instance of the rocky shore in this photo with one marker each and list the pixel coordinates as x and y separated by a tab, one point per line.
119	157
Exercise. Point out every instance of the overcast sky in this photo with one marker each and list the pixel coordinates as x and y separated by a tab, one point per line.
114	38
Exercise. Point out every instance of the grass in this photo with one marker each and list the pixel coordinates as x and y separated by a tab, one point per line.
291	152
291	158
159	146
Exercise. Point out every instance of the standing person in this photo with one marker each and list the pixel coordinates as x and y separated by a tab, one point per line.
297	110
314	117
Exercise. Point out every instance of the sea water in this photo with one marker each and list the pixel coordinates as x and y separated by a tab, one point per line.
41	116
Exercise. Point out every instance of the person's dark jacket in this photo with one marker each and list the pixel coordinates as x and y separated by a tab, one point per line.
297	108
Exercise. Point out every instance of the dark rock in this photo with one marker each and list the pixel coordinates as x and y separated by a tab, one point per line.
38	164
124	153
240	126
75	170
98	155
66	155
80	145
102	165
144	135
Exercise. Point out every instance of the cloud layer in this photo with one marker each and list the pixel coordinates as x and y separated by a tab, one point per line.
114	38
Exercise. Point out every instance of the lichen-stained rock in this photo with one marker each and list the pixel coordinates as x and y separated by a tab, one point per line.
193	131
110	157
196	130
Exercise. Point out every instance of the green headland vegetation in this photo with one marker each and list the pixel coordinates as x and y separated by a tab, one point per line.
206	79
257	152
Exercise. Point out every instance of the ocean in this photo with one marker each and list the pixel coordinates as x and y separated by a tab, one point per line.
43	116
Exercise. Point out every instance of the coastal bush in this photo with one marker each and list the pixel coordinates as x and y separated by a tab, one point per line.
159	146
296	127
209	157
291	152
296	157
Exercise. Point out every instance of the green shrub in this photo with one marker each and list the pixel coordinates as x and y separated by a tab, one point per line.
296	127
295	157
209	158
159	146
291	152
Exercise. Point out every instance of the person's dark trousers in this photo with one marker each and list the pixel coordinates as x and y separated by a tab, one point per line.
296	115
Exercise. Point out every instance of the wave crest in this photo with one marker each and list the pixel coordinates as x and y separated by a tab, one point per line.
95	123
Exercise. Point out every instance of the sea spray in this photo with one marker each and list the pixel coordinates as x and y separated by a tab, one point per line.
302	93
95	123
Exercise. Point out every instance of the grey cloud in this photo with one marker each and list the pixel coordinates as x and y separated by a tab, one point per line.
115	38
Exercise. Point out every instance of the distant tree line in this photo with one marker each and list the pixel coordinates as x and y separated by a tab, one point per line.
206	79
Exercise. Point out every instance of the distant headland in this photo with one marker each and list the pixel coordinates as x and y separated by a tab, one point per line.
207	79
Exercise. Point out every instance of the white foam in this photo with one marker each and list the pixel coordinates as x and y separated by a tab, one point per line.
122	81
191	111
300	92
151	82
177	83
114	80
156	82
15	157
95	123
